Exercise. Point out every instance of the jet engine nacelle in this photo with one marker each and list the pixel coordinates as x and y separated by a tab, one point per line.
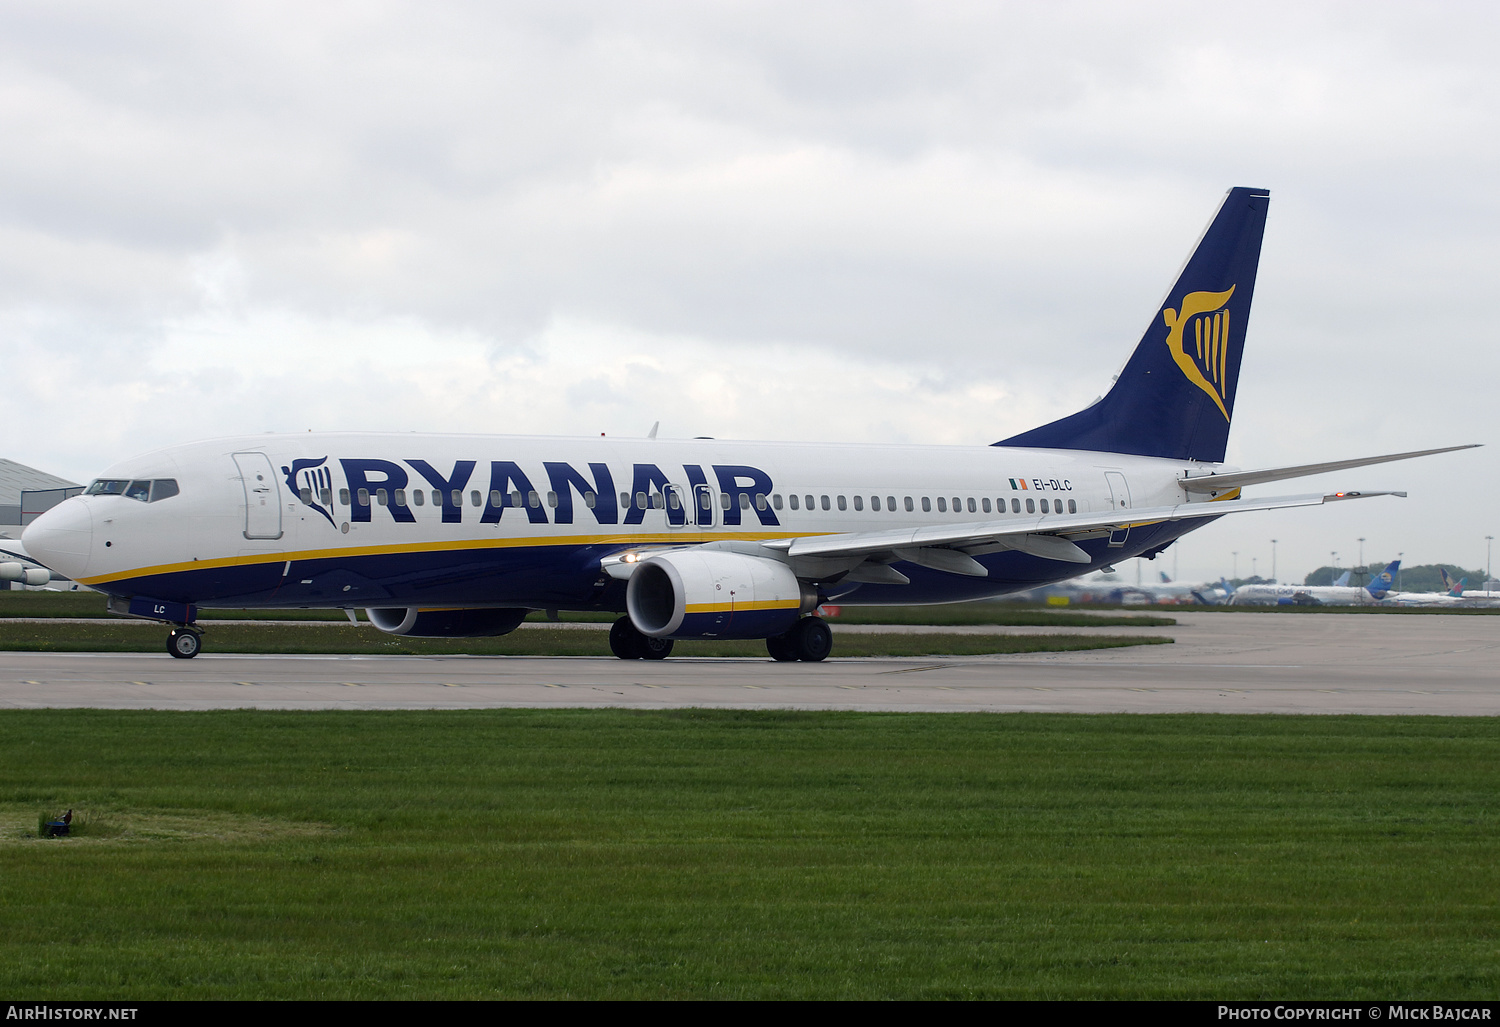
419	623
14	570
707	593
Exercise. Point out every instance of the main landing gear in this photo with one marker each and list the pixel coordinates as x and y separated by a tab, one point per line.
629	644
184	643
808	640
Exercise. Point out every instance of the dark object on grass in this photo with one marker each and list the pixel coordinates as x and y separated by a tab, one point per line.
59	828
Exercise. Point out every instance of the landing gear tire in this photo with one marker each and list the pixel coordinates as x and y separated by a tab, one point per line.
811	640
623	640
184	643
781	649
629	644
655	648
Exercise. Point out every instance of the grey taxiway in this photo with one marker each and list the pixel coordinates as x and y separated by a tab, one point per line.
1220	662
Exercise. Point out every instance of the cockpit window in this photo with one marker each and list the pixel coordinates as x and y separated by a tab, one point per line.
107	487
141	491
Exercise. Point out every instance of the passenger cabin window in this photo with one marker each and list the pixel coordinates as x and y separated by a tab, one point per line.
363	495
590	500
1030	506
1015	506
958	505
793	500
890	503
551	500
875	503
986	505
942	504
972	508
927	505
496	498
344	496
776	500
475	499
908	504
533	500
810	503
825	504
1044	506
437	497
400	497
418	497
760	501
1072	506
305	494
326	495
859	502
843	504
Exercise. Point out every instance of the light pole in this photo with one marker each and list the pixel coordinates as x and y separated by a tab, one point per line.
1489	574
1361	554
1273	559
1253	572
1236	554
1399	569
1334	554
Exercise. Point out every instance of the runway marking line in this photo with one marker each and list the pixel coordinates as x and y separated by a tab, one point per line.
545	685
31	682
449	684
237	682
350	684
133	682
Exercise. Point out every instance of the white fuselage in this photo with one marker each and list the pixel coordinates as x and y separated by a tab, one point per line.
360	519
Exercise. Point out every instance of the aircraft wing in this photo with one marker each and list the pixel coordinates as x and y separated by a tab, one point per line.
1040	535
1236	479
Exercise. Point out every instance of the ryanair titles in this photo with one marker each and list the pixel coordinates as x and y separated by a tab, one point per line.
737	491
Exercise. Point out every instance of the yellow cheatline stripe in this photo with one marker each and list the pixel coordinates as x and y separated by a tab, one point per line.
766	604
683	537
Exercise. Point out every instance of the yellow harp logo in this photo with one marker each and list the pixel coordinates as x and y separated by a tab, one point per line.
1210	341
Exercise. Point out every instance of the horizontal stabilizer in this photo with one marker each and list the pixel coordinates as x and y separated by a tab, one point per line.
1237	479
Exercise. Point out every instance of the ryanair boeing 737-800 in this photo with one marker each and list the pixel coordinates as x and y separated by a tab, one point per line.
462	535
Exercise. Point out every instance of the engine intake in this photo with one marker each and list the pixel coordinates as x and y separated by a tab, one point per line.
705	593
420	623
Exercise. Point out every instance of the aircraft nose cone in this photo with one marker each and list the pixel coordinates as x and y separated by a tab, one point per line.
62	538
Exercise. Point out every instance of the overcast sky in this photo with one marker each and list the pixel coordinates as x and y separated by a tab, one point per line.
907	222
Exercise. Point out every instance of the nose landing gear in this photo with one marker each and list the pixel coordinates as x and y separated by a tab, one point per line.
184	643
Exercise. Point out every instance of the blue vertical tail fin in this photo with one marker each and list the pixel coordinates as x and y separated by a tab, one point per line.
1384	581
1175	397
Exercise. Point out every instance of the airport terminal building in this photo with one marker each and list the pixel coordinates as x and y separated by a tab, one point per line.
26	492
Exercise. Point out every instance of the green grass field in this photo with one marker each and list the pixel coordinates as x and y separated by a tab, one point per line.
724	854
